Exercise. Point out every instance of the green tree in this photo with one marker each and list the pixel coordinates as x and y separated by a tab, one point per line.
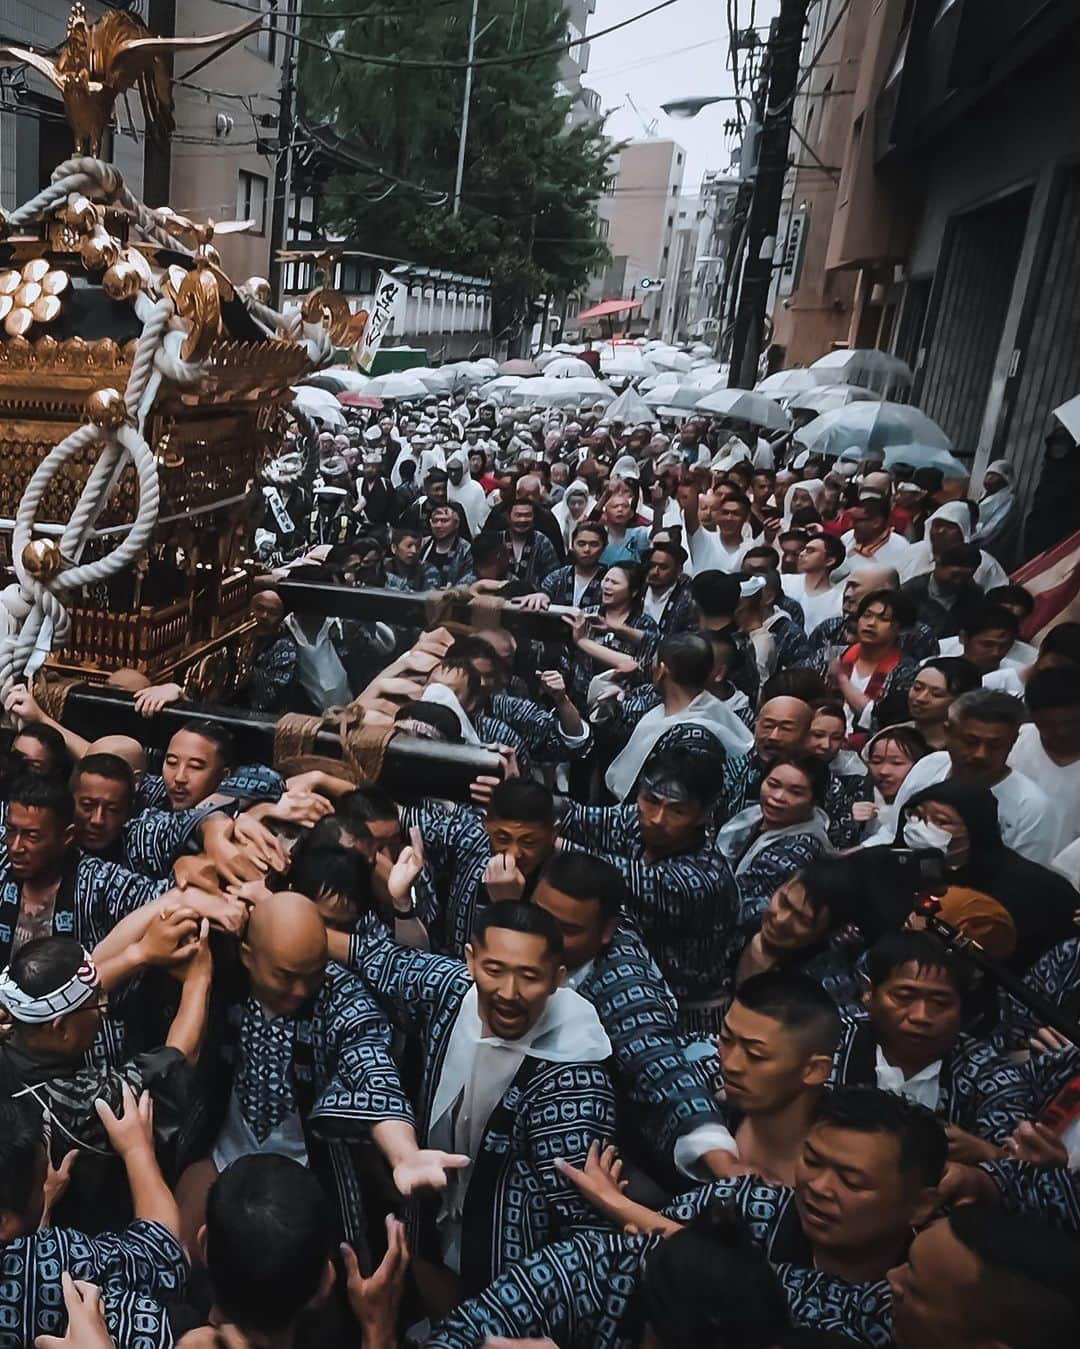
528	218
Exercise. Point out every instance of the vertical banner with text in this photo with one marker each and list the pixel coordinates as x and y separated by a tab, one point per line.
382	312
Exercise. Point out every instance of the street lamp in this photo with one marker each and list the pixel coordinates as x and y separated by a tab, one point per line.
685	108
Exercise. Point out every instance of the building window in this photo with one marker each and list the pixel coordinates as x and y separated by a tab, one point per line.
263	42
251	199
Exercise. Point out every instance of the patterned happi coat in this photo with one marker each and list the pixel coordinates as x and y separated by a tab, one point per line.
862	1311
539	730
1055	976
341	1079
662	1093
515	1195
92	898
980	1090
138	1270
683	905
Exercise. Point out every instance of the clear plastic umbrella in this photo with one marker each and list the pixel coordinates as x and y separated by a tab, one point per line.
667	358
926	456
320	405
829	397
871	426
685	397
546	392
745	406
630	408
671	378
623	359
874	369
519	366
568	367
502	384
404	384
786	383
706	380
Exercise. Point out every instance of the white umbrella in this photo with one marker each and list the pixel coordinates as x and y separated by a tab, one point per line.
706	380
543	359
502	384
785	383
568	367
630	408
874	369
701	349
667	358
551	392
319	404
1068	414
682	396
745	406
403	384
623	359
828	397
871	426
671	378
926	456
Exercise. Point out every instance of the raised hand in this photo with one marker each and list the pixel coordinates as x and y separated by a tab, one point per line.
409	865
86	1328
502	879
132	1131
425	1169
1036	1144
375	1300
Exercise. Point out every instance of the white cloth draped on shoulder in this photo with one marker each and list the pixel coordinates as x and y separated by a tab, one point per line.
478	1070
704	710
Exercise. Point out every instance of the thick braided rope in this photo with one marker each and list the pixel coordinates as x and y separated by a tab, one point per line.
43	620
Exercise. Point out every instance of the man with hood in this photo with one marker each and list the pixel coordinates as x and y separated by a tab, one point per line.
462	489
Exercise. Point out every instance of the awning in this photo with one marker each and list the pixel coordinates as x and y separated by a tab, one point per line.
606	307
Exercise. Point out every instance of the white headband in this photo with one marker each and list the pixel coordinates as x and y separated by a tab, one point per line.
69	997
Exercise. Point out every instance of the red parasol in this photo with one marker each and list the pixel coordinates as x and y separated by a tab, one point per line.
351	399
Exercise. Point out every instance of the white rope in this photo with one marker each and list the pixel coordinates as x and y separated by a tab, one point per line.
32	615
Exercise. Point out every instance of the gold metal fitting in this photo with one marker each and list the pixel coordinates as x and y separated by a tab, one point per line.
105	408
42	559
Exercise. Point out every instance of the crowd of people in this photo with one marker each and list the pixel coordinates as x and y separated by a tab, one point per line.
737	1011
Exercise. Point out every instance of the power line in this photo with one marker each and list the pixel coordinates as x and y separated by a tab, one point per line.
512	58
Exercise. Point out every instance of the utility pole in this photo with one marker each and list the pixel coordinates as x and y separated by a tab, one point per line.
466	100
283	167
785	44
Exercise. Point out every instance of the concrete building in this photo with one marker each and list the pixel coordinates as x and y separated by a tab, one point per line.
644	198
812	303
954	227
220	162
574	63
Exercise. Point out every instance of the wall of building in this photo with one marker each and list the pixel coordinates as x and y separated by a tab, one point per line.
644	210
229	175
812	302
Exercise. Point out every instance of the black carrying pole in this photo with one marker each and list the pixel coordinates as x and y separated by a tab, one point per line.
412	768
927	908
408	609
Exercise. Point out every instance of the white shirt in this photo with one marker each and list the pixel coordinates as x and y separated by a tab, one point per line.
1006	679
1029	823
1016	656
817	606
709	553
924	1088
655	602
1061	782
892	553
581	584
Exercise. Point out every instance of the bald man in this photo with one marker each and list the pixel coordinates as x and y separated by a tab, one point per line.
829	638
125	747
781	727
304	1069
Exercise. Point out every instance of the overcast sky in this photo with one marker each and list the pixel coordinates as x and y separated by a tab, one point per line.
680	51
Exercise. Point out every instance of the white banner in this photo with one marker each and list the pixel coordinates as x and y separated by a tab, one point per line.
382	311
